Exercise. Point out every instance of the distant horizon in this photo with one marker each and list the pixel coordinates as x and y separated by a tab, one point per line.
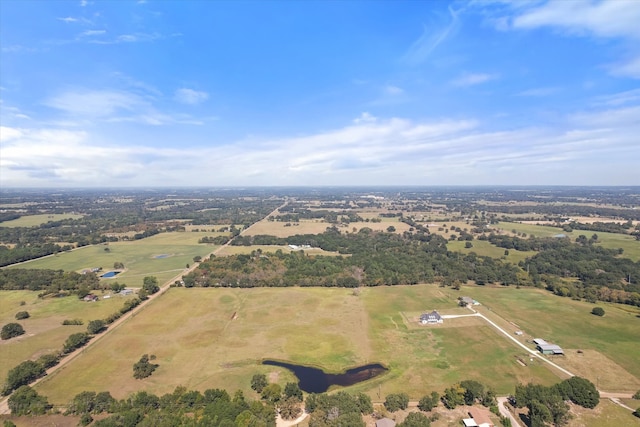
146	93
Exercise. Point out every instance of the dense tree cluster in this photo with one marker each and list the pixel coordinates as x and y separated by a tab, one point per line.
183	407
26	401
376	258
339	409
547	404
143	368
48	281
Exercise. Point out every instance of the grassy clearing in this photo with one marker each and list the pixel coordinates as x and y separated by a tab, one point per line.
235	250
44	330
484	248
198	345
35	220
606	414
279	229
140	257
570	324
628	243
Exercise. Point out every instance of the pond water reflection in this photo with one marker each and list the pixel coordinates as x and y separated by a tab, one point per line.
315	380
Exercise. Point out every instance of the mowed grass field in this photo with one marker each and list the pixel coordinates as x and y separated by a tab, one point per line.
484	248
200	344
610	345
140	257
44	332
34	220
279	229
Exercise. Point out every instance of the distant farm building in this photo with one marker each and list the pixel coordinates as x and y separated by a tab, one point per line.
125	292
90	298
479	418
547	348
431	318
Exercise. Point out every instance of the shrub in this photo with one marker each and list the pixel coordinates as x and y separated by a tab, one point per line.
22	315
598	311
11	330
67	322
637	395
143	368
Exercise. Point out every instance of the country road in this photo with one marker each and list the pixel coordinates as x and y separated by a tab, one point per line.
4	404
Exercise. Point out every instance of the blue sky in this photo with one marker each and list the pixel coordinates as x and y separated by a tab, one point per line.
215	93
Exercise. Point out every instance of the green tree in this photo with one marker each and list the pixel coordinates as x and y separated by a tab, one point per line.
75	341
637	395
391	229
473	391
429	402
453	396
415	419
22	315
364	403
96	326
580	391
258	382
396	401
26	401
23	374
292	390
11	330
272	393
150	284
598	311
289	408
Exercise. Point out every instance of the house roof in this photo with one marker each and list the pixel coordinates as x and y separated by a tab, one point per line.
480	416
385	422
551	347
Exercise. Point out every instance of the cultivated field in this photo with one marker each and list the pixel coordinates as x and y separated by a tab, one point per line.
199	342
34	220
44	332
164	256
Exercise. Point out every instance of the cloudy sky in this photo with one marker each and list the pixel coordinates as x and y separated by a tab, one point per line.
215	93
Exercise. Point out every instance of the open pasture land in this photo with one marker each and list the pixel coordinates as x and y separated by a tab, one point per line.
484	248
35	220
280	229
207	338
628	243
164	256
235	250
44	332
568	323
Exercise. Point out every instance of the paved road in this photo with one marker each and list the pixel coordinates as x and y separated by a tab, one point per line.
4	404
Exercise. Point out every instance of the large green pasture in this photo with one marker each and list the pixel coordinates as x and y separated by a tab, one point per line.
628	243
44	332
610	344
484	248
140	257
35	220
200	344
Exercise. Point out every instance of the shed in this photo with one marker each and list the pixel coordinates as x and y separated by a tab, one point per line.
480	416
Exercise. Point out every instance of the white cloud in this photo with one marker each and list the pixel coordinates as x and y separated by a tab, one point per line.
90	33
393	90
473	79
430	40
96	103
68	19
539	91
630	68
368	151
190	96
617	18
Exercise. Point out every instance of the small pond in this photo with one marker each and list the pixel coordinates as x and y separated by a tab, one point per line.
110	274
315	380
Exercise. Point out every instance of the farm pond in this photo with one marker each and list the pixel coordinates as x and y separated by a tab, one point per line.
315	380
